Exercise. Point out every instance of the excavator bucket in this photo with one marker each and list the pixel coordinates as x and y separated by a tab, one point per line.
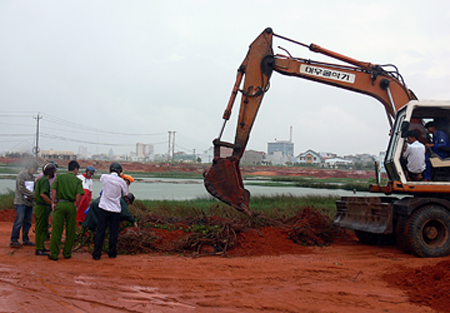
223	180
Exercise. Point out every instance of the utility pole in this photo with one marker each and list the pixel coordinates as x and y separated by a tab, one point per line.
36	149
168	151
194	156
173	146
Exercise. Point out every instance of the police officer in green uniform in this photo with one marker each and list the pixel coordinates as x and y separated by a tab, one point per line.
42	206
66	190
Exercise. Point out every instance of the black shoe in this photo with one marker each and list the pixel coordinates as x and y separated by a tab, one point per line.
41	252
28	243
67	257
96	258
112	256
46	250
53	259
15	244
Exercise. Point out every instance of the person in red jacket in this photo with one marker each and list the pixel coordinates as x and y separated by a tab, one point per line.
88	187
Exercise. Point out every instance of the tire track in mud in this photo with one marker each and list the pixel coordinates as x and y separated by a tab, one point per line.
59	292
338	278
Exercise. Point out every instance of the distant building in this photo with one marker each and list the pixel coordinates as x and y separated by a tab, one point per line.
285	146
82	152
57	155
337	163
327	155
309	157
144	150
361	158
277	158
252	157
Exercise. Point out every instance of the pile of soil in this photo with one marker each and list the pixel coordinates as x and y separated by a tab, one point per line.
7	215
427	285
208	235
266	241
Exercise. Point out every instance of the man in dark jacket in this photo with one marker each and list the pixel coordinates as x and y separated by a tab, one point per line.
23	201
91	219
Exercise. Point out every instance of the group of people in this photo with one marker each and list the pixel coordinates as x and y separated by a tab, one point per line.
68	198
418	154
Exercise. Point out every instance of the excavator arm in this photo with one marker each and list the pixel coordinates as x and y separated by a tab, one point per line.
223	179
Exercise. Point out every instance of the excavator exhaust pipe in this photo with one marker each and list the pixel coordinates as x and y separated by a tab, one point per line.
223	180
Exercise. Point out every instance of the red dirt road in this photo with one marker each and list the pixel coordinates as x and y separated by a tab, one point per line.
344	277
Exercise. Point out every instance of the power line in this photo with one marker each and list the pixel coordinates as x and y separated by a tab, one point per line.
59	121
49	136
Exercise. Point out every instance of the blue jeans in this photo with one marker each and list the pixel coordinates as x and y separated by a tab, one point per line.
24	216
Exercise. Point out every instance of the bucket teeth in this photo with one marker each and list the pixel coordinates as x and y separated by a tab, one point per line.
223	181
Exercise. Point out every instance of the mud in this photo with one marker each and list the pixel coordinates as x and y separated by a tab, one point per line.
265	272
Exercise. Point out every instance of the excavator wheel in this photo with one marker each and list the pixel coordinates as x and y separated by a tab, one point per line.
374	239
427	232
400	237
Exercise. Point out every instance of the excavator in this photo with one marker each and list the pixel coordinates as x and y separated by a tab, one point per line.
414	214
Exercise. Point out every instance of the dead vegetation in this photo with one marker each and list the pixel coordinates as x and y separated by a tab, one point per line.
211	235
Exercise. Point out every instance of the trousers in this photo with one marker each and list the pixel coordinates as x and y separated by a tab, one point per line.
65	213
24	216
105	219
41	214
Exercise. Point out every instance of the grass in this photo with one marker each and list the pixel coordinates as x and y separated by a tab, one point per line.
7	200
280	206
319	183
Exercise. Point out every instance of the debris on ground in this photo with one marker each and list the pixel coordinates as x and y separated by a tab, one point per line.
427	285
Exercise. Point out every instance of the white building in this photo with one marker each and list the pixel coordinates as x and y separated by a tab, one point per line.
277	158
309	157
144	150
57	155
337	162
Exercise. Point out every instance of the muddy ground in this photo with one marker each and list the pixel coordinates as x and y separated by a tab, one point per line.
266	272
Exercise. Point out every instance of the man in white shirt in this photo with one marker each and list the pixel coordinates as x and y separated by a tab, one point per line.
109	214
415	155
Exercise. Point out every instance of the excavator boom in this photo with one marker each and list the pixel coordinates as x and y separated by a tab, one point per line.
223	179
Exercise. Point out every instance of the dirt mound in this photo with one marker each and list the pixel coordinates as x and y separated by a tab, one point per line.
427	285
266	241
213	235
7	215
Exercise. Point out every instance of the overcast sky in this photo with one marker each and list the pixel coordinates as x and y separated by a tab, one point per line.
108	74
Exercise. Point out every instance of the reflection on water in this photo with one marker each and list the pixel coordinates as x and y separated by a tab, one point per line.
188	189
